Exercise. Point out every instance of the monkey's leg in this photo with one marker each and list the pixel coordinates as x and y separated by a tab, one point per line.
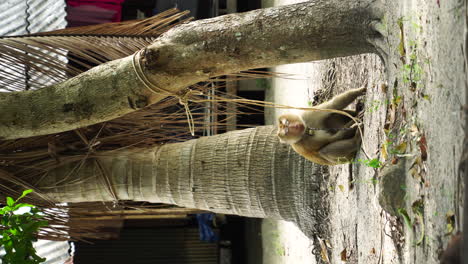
341	101
340	151
345	131
334	120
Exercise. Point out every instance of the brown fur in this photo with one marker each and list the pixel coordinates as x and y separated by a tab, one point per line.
452	254
334	142
309	154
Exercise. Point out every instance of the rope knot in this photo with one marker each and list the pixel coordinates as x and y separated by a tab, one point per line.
183	96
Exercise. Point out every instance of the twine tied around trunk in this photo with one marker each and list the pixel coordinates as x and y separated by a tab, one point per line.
183	96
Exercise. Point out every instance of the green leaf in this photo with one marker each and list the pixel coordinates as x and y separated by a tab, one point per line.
421	222
20	251
10	201
3	211
374	163
43	223
18	206
13	231
7	209
19	231
25	192
37	258
406	219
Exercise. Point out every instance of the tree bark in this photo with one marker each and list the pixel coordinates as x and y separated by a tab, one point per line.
245	172
188	54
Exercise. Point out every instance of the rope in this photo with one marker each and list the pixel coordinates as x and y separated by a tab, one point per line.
183	97
356	120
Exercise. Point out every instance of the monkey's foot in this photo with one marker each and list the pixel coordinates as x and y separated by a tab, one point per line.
380	28
379	40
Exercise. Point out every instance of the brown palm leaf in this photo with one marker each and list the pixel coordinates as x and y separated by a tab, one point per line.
34	61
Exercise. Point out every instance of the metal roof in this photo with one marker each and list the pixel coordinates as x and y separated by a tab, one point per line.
55	252
18	17
13	17
46	15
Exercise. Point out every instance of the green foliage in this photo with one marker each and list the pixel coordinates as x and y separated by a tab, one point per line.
18	231
406	219
418	210
373	163
374	106
412	72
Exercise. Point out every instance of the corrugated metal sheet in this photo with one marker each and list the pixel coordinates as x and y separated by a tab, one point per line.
150	246
20	17
55	252
46	15
13	17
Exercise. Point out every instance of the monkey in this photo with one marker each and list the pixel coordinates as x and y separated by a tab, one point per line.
452	254
323	137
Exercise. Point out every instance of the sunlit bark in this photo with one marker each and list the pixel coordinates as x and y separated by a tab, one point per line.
191	53
246	172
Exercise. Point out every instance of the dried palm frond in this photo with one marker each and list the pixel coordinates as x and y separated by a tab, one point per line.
25	161
31	62
34	61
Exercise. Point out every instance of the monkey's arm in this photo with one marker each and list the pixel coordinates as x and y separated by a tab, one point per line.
341	101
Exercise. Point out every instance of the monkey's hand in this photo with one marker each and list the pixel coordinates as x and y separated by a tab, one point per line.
361	91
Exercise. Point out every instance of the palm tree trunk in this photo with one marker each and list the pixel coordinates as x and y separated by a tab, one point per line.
246	172
191	53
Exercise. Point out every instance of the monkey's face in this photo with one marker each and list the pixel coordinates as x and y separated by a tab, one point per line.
291	128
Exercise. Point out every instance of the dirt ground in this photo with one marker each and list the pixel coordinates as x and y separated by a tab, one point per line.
413	123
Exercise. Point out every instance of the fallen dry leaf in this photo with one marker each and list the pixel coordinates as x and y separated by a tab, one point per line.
401	148
384	88
423	147
427	184
341	188
343	255
414	130
323	250
450	218
384	152
414	173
